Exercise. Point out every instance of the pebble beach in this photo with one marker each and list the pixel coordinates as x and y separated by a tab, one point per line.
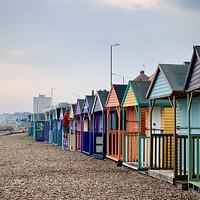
37	170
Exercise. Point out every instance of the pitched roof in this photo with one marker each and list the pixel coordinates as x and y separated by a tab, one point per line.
81	102
90	100
140	89
175	75
142	77
193	71
120	90
103	97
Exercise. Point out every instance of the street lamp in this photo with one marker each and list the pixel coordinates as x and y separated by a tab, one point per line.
111	46
119	76
52	96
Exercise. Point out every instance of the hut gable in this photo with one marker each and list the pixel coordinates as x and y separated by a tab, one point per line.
97	104
193	77
169	79
100	100
88	103
115	95
71	111
79	106
140	89
129	97
135	94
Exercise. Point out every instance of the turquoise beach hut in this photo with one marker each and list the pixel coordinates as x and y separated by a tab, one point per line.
192	87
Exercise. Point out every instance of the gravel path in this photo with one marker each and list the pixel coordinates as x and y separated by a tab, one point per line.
31	170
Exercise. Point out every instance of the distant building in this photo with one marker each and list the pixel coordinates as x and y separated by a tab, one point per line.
13	118
41	102
142	77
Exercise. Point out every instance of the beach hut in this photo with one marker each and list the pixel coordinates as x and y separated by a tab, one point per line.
136	135
192	87
59	114
46	125
30	125
78	124
51	126
87	124
136	142
38	127
99	125
114	122
55	126
72	128
168	149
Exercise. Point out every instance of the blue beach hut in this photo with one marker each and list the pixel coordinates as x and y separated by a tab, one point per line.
99	125
87	124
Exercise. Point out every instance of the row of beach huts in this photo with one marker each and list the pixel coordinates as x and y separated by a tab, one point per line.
150	124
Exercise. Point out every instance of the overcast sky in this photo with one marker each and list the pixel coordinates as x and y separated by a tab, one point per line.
66	44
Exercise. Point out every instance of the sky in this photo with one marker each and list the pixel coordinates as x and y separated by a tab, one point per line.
66	44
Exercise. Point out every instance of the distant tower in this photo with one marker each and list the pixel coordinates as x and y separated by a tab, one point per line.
41	102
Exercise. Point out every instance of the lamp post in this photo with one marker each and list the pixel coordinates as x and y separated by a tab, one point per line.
119	76
111	46
52	96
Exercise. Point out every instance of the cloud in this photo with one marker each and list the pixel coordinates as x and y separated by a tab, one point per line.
17	53
131	4
182	5
189	5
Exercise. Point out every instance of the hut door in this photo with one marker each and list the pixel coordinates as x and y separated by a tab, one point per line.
156	129
78	124
86	124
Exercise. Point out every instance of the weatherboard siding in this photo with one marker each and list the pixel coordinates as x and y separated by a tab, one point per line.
86	108
167	120
130	99
112	99
97	105
194	82
181	116
78	110
160	87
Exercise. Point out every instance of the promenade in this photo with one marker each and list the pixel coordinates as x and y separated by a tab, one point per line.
33	170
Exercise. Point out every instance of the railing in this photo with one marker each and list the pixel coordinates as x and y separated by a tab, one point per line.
145	152
137	152
162	149
181	165
131	147
195	157
113	139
